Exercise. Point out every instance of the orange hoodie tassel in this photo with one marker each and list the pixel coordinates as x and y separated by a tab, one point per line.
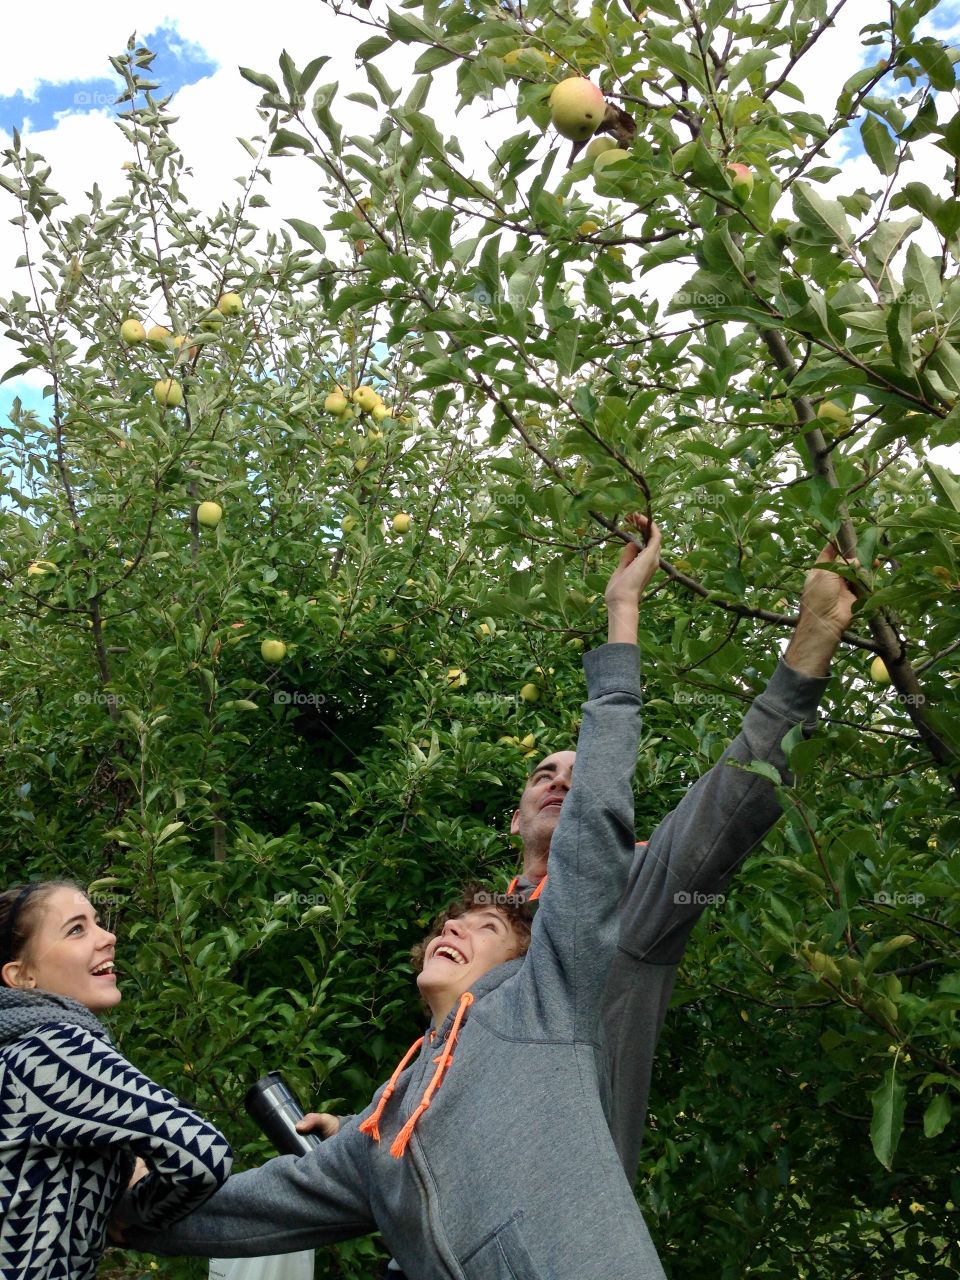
372	1123
403	1137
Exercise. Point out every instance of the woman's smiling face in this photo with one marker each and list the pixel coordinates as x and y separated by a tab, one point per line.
68	953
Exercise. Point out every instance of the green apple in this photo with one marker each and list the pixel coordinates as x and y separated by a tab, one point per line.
348	523
211	321
605	181
273	651
230	304
388	656
741	179
132	333
158	337
401	522
530	693
597	146
366	399
208	514
336	403
577	108
361	465
168	392
878	671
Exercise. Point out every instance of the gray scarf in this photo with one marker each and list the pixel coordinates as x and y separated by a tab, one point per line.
23	1011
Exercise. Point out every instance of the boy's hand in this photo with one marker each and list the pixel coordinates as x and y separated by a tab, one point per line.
321	1122
627	582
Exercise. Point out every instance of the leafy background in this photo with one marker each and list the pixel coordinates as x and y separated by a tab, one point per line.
271	839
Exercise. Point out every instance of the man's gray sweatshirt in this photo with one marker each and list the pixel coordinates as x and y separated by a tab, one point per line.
481	1194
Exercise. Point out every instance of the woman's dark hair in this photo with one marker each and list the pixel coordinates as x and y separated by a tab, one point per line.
21	909
473	896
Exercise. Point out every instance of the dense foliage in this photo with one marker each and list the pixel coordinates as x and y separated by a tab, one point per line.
270	838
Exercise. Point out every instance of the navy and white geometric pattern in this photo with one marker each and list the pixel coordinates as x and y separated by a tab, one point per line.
72	1112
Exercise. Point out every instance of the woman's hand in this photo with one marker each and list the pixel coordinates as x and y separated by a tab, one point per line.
627	582
321	1122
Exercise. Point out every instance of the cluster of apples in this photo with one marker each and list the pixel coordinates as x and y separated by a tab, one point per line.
578	109
366	399
168	392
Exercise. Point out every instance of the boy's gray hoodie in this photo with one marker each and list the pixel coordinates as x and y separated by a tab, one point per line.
481	1193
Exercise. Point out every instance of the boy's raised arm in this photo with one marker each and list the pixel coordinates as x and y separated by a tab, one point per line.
575	932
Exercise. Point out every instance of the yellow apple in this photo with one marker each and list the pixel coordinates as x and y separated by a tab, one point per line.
208	514
878	671
336	403
273	651
380	411
588	228
212	320
456	677
401	522
168	392
366	399
39	568
158	337
577	108
361	465
530	693
230	304
132	333
830	411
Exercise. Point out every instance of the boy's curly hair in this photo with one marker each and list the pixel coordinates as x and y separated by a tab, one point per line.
518	914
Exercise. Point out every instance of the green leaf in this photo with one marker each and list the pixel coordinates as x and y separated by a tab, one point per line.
307	231
813	210
285	138
922	277
937	1116
878	145
260	80
889	1103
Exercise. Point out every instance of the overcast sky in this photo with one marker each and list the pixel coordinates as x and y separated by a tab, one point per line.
57	88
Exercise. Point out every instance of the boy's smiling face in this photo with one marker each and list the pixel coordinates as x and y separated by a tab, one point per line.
466	948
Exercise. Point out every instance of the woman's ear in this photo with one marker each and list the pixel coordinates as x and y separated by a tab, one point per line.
14	975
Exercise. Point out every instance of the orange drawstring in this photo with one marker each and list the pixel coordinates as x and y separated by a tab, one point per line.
443	1061
372	1123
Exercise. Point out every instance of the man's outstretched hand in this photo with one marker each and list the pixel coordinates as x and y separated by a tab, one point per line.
826	608
627	582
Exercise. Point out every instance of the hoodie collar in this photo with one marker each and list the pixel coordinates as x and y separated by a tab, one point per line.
23	1011
488	982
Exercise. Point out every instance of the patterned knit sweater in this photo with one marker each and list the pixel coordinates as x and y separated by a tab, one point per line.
73	1114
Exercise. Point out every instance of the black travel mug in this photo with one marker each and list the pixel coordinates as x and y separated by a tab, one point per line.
275	1110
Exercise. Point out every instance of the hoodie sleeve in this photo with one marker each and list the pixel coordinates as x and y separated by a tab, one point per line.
289	1203
79	1093
575	930
696	849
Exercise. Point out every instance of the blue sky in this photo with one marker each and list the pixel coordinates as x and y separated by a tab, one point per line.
178	62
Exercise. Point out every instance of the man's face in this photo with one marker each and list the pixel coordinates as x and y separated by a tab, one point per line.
536	818
464	950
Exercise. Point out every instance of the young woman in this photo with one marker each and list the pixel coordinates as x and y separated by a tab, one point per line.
487	1155
78	1123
